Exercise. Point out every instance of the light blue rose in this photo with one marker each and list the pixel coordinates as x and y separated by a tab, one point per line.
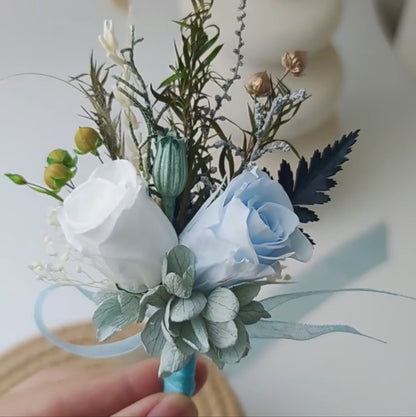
244	233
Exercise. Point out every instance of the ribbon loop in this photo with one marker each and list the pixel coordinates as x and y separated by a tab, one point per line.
98	351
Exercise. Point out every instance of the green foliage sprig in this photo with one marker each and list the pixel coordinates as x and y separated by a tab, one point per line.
101	101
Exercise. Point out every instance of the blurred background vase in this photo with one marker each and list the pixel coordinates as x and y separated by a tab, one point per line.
398	19
272	28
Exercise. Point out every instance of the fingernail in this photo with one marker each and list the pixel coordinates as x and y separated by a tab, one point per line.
174	405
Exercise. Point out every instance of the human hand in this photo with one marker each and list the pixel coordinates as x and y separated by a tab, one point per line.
130	391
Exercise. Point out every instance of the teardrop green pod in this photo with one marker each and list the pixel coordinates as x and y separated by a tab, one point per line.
170	168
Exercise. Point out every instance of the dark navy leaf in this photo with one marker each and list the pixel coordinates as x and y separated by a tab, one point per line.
314	179
307	236
285	176
267	172
305	215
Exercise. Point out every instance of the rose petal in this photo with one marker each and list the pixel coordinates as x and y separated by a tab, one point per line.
259	231
120	172
112	220
301	245
89	204
234	229
244	233
255	188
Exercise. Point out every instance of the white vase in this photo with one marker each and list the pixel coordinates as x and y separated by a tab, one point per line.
273	27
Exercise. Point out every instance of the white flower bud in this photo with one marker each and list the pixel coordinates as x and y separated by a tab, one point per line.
121	97
130	118
109	42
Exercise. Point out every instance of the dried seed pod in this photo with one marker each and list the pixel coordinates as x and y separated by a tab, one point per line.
259	84
294	62
56	176
87	139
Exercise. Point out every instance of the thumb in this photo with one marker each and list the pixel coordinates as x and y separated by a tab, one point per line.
161	405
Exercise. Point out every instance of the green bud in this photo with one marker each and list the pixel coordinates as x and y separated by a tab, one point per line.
61	156
170	167
87	140
56	176
16	178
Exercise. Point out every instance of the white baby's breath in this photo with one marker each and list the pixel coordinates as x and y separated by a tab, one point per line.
65	263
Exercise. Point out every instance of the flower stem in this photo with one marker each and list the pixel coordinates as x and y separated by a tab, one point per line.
182	381
169	207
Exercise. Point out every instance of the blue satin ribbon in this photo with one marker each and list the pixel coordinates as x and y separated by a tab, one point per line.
99	351
182	381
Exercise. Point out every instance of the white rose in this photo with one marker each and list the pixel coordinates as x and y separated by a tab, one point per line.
111	219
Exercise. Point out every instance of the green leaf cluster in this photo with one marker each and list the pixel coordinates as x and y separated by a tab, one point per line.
186	321
184	94
93	86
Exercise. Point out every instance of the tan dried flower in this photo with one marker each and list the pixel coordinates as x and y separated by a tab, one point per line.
294	62
259	84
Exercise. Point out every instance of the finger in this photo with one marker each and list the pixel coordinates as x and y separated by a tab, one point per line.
201	374
161	405
47	376
51	375
102	394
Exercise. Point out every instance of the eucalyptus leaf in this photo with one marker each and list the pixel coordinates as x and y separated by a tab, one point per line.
178	260
222	335
175	329
129	304
200	329
180	285
252	313
246	292
152	335
196	335
235	353
169	336
222	306
190	342
156	297
186	309
185	347
109	319
103	295
171	360
297	331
